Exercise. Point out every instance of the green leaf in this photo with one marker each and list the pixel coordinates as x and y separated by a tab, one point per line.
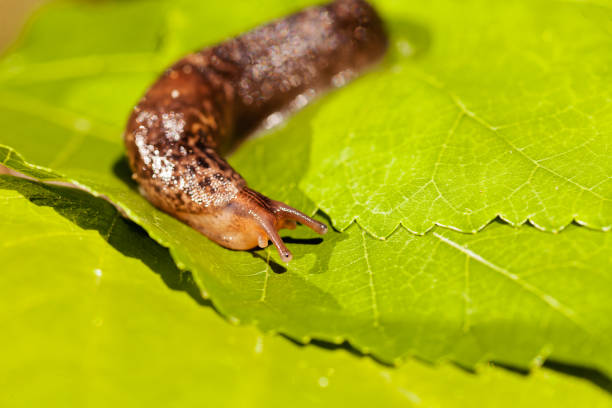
86	325
512	295
493	108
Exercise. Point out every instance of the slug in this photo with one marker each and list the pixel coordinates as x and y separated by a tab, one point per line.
206	103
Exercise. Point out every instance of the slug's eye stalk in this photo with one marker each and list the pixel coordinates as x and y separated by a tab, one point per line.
290	215
272	216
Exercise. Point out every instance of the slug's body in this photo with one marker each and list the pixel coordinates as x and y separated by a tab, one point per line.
207	102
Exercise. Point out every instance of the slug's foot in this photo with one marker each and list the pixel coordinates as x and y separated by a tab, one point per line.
270	216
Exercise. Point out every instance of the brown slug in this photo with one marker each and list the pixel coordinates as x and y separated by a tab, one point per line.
206	103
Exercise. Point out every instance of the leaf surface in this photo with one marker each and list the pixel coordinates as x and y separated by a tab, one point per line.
514	295
87	321
483	109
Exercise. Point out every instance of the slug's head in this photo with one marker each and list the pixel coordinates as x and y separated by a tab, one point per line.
251	220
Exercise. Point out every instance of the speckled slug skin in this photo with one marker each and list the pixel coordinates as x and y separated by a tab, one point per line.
210	100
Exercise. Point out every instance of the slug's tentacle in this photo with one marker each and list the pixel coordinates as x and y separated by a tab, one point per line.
206	103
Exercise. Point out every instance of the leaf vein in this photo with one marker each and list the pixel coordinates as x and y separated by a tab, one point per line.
549	300
375	312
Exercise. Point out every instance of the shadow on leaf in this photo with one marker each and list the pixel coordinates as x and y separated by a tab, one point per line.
92	213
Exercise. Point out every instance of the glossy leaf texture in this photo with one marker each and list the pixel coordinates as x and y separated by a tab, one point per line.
483	109
89	321
511	295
